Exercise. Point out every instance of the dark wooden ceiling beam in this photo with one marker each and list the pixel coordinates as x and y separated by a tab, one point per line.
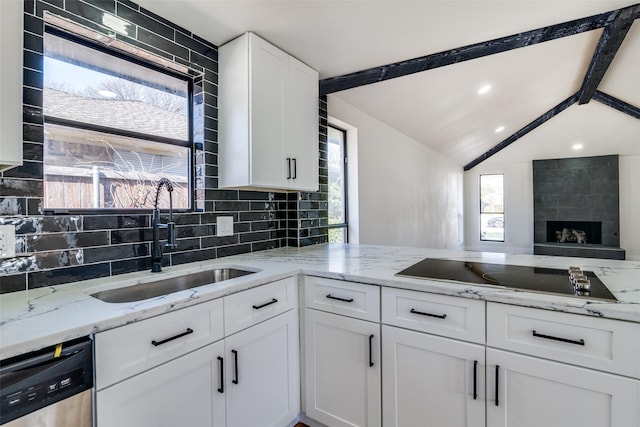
525	130
616	103
466	53
610	41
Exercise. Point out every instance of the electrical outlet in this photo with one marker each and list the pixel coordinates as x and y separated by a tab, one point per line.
224	226
7	241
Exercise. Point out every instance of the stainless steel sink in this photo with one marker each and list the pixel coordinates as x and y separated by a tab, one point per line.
166	286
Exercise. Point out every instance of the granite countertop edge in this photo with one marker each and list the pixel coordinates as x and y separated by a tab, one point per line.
33	319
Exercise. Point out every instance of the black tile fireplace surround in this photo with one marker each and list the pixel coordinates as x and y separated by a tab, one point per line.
580	195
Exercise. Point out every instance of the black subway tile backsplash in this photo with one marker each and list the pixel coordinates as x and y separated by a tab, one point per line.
106	5
12	283
66	248
144	21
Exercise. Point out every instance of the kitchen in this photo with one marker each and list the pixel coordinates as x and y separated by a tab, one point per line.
59	249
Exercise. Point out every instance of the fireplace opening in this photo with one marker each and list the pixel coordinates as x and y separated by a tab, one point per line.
581	232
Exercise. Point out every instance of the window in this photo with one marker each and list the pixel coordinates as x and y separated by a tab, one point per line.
113	127
492	207
337	149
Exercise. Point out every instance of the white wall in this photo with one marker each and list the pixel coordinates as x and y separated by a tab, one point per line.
630	206
518	194
409	195
518	208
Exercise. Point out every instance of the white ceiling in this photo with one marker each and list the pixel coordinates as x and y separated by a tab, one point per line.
441	108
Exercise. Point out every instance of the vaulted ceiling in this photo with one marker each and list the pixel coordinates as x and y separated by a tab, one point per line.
441	107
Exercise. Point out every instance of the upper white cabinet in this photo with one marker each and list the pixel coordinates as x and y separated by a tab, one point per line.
11	24
268	127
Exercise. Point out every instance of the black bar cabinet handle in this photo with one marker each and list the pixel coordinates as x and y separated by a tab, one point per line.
187	332
288	167
422	313
339	299
235	366
295	168
258	307
370	351
551	337
475	380
221	370
497	383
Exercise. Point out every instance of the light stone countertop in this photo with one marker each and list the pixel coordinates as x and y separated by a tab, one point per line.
37	318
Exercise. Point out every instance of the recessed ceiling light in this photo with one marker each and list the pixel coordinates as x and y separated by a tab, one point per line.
484	89
577	146
107	93
499	129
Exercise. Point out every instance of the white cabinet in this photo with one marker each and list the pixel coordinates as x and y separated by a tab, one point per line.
560	388
342	358
262	374
268	123
342	354
11	42
531	392
429	380
182	392
179	368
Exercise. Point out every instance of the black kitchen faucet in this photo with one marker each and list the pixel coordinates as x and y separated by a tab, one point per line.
156	248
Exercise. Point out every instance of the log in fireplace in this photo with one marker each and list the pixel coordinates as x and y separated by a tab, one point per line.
581	232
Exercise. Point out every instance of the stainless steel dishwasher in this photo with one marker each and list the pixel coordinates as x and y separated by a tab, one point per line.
51	387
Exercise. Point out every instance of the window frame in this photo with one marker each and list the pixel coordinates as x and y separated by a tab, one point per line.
344	225
189	143
481	212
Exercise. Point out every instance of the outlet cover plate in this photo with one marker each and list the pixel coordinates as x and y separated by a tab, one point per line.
7	241
224	226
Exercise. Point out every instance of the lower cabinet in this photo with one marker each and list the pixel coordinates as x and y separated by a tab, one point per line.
262	374
531	392
432	381
342	358
184	369
182	392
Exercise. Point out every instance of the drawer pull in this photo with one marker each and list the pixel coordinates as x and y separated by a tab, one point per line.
497	383
551	337
339	299
422	313
258	307
235	366
187	332
475	380
371	351
221	371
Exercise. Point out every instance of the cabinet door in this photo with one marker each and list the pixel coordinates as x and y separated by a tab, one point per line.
342	368
268	76
301	116
431	381
182	392
533	392
262	373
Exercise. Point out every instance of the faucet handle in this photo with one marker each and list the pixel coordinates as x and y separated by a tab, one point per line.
171	236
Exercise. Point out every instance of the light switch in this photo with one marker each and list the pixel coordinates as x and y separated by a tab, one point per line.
7	241
224	226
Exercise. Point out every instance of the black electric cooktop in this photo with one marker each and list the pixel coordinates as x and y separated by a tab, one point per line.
535	279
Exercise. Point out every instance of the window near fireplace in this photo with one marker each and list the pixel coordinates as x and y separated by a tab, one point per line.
492	207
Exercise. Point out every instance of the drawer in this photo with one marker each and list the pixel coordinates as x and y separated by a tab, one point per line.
347	298
128	350
604	344
452	317
252	306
